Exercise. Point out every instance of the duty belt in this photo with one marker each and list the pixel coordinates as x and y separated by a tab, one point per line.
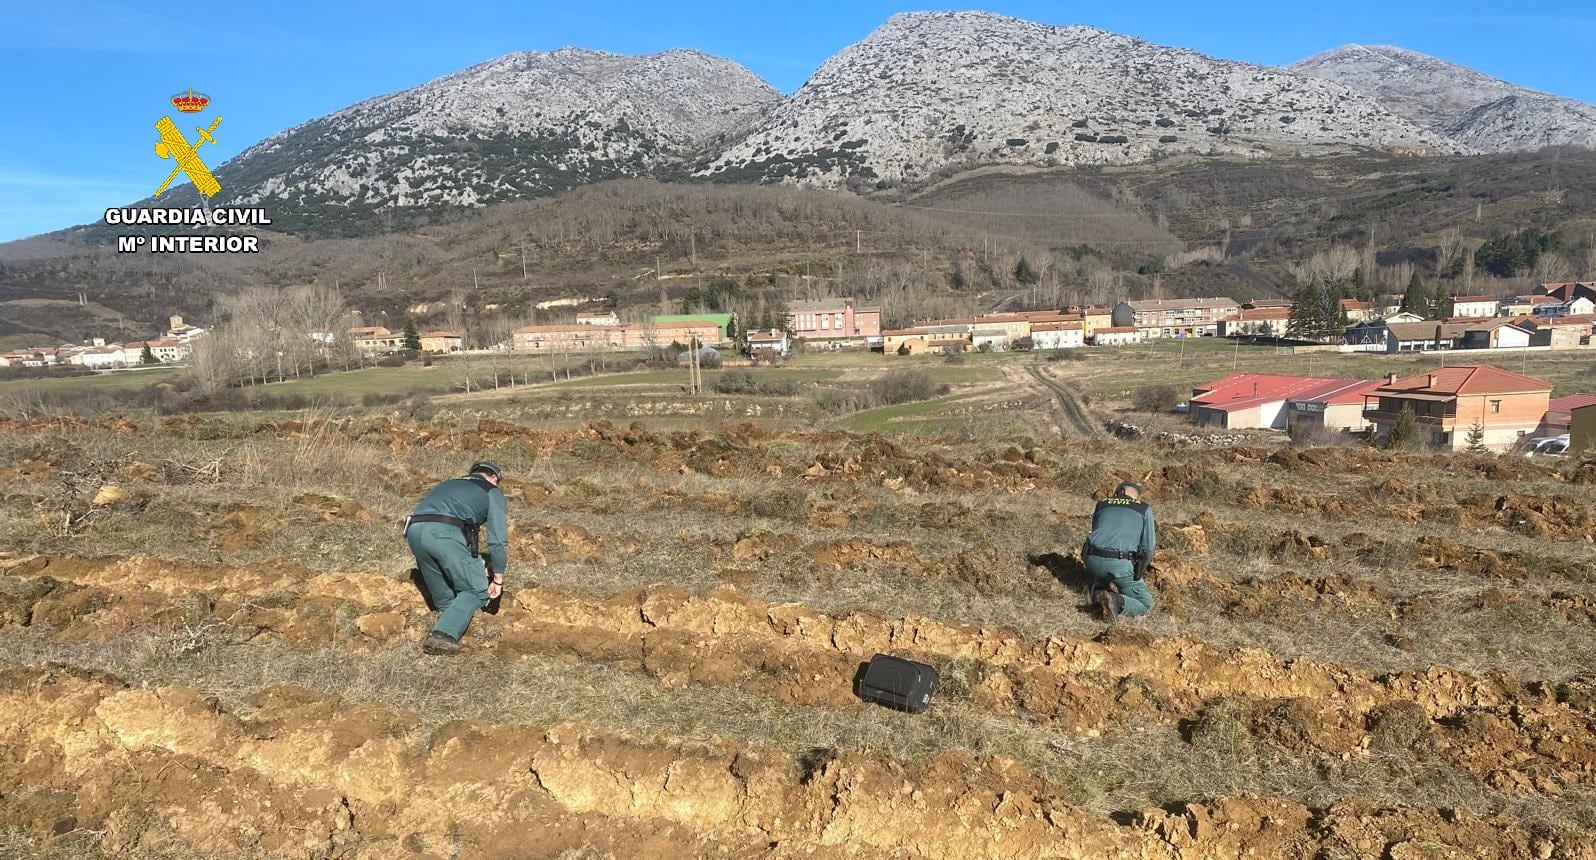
1111	553
438	518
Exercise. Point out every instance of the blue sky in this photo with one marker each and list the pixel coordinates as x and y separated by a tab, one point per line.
87	81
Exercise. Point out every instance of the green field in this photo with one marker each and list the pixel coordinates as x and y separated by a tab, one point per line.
679	377
127	380
890	417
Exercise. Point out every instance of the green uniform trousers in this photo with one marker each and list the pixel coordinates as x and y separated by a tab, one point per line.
455	579
1121	572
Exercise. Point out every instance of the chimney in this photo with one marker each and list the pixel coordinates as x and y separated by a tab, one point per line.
1255	389
1432	381
176	321
1390	379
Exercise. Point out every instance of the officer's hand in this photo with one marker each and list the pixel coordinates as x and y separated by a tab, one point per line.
495	586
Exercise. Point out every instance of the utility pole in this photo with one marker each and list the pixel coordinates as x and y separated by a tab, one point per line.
692	244
656	267
523	262
858	241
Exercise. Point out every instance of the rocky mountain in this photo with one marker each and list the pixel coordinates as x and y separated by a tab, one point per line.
929	93
519	126
1475	109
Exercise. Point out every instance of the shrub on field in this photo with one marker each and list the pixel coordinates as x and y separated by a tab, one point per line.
901	386
736	382
1156	398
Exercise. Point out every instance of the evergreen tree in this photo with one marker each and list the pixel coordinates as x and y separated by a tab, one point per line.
1404	432
1309	318
1335	312
147	356
1476	439
1416	299
1024	273
412	337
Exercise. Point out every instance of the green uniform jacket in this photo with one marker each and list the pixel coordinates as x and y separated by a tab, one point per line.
1125	525
474	500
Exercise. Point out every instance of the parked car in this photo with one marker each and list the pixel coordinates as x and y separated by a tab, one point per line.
1549	446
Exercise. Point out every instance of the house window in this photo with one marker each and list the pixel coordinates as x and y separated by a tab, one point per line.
1496	406
825	321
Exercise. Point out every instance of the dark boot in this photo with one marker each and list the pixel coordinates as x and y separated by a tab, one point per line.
440	643
1108	605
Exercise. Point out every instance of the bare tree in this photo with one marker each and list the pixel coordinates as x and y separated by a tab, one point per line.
1448	246
1552	267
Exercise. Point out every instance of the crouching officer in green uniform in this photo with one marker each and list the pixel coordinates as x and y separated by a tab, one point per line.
1117	553
443	534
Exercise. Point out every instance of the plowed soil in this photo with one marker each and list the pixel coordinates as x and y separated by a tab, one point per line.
1354	654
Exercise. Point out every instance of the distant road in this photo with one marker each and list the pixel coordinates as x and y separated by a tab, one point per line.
1066	401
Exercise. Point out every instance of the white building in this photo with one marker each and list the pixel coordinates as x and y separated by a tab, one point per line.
164	351
181	331
1119	335
98	357
605	318
1577	306
768	342
992	339
1057	335
1475	306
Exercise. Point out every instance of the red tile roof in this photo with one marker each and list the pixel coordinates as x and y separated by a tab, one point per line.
1561	410
1468	379
1474	299
1117	329
1246	390
1061	325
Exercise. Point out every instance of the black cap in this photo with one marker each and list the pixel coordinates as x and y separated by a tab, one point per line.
1127	485
489	467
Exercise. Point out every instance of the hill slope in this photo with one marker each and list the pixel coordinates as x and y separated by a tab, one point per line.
933	92
522	125
1472	108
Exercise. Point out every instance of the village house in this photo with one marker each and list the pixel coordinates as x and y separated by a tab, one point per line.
98	357
1449	401
1475	306
1261	304
1063	334
1520	306
1389	335
990	339
180	331
768	343
1359	311
598	318
1560	414
164	351
1173	317
441	342
1117	336
835	323
1573	307
570	337
1251	401
920	339
1266	322
376	339
1093	317
1496	334
725	322
1568	290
